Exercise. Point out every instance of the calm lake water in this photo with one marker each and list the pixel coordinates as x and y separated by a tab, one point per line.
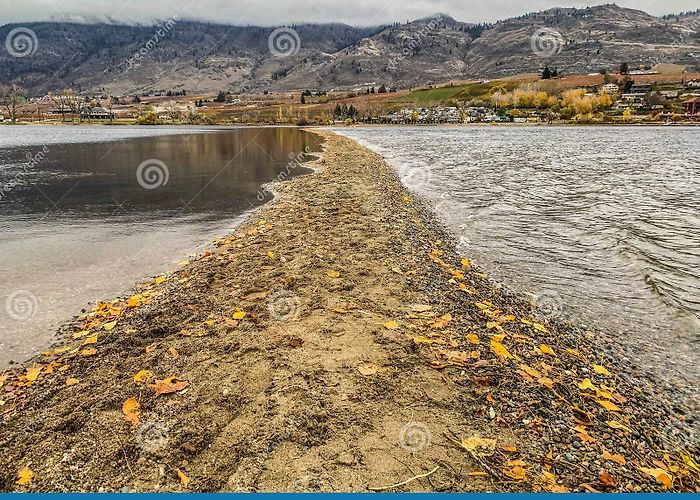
86	212
600	224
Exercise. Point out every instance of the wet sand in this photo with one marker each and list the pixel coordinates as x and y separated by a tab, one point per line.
336	342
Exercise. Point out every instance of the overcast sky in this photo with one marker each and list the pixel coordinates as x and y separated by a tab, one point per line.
275	12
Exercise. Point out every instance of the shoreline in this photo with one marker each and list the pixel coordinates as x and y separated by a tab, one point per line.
689	123
335	342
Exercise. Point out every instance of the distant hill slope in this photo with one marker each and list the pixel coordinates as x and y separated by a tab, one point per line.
209	57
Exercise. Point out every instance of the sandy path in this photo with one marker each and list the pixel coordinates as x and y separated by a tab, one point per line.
315	387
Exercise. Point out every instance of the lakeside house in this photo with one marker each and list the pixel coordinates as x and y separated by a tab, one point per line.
610	88
692	106
97	113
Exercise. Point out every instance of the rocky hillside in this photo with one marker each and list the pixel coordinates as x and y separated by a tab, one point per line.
208	57
584	40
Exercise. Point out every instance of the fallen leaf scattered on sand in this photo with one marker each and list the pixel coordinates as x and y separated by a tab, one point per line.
546	349
33	373
608	405
333	274
143	376
615	458
184	480
173	352
24	476
478	446
88	352
91	340
131	409
391	325
109	326
368	370
606	479
72	381
500	350
661	475
169	385
601	370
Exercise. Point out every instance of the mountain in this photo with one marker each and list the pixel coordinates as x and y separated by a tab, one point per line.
207	57
589	39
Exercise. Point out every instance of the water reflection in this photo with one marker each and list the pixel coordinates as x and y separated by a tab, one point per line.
77	226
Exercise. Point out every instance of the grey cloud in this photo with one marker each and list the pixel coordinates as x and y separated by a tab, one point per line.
266	13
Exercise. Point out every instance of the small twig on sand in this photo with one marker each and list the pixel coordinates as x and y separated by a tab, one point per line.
391	486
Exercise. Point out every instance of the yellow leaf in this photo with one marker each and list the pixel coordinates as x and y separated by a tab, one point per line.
420	339
152	347
131	405
271	254
33	373
184	480
546	381
109	326
238	315
160	279
586	384
173	352
24	476
662	476
91	340
617	458
442	321
546	349
499	349
169	385
333	274
81	334
88	352
479	446
391	325
465	262
608	405
143	376
618	425
458	274
540	327
472	338
72	381
601	370
134	301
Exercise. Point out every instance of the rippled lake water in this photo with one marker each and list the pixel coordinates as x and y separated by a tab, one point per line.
80	222
600	224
